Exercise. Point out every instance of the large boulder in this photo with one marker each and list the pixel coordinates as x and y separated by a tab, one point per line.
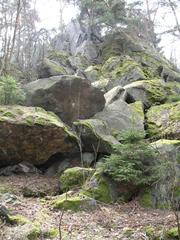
163	121
121	117
95	136
32	134
167	189
70	97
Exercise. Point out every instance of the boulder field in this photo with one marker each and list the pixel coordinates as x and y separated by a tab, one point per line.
94	92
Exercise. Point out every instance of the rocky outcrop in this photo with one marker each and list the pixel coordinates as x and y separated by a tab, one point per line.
121	117
70	97
163	121
78	39
32	134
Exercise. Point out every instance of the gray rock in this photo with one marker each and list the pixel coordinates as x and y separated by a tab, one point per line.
70	97
120	117
22	168
88	158
115	94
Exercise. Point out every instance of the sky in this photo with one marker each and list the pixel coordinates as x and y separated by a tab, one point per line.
49	18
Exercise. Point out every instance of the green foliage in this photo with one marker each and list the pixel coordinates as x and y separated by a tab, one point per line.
10	91
132	161
104	13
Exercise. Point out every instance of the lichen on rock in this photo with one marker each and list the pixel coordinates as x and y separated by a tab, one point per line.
164	121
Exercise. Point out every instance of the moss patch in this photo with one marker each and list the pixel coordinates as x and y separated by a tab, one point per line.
18	219
99	188
74	177
145	199
138	108
172	233
34	233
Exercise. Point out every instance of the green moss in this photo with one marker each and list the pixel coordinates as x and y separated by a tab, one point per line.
138	108
145	199
7	189
172	233
150	231
56	68
177	192
74	203
18	219
98	188
117	67
9	115
51	233
34	233
74	177
156	91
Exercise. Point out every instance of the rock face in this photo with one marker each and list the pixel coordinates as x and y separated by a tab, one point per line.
164	121
70	97
31	134
76	41
120	117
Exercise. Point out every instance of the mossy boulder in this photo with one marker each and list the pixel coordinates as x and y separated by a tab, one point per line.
74	177
95	135
25	133
52	68
56	63
122	70
70	97
99	188
73	202
150	92
163	121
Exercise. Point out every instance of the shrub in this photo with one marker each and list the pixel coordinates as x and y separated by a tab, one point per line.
132	161
10	91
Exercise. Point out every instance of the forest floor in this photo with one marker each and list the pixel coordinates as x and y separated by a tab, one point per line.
112	222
